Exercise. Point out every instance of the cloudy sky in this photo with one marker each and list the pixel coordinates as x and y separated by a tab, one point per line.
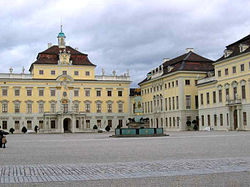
120	34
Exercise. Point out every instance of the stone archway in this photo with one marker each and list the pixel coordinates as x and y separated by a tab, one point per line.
67	125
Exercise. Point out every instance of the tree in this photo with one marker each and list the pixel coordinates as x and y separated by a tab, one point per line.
12	130
95	127
24	129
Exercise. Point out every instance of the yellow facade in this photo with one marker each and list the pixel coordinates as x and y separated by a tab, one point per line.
63	96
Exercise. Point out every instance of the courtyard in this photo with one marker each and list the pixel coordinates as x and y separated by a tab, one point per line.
183	158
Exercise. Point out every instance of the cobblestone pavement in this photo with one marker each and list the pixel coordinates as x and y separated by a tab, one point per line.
84	172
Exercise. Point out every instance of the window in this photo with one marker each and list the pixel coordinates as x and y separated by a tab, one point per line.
227	119
109	93
29	125
53	107
173	121
87	73
110	123
64	94
40	72
196	102
4	107
215	120
235	93
17	92
208	120
76	107
243	92
227	94
202	120
98	93
173	103
64	72
169	103
41	107
52	72
187	82
77	124
120	107
201	99
214	97
29	92
65	108
40	124
87	107
208	98
120	93
165	86
87	93
226	71
178	121
4	92
166	104
87	123
76	73
76	93
99	123
173	84
120	122
52	124
195	82
176	83
4	124
109	108
17	107
221	119
170	122
219	73
177	102
29	107
52	92
244	118
188	101
41	92
98	107
220	96
242	67
234	69
166	122
17	125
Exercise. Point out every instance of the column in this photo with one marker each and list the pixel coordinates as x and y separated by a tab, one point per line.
73	124
239	118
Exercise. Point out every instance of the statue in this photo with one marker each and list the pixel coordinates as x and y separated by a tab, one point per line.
128	72
23	70
11	70
114	73
103	72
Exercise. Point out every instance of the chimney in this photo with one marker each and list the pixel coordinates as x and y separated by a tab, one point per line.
165	60
189	50
49	45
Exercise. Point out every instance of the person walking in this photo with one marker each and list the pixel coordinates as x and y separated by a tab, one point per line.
3	138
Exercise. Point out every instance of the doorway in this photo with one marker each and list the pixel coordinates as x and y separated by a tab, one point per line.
66	125
235	120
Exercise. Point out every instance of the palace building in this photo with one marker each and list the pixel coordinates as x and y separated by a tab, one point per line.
224	94
62	93
170	93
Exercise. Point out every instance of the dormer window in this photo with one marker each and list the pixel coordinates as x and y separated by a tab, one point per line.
227	53
243	47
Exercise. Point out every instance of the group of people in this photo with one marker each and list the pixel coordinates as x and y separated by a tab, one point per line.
3	139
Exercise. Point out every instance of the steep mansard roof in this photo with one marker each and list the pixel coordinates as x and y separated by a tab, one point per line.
51	56
187	62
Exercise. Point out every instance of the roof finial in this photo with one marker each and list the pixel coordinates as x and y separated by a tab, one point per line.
61	27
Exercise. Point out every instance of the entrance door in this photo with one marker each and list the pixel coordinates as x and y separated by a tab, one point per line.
66	124
235	120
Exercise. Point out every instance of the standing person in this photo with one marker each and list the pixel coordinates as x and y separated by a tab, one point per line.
2	133
36	128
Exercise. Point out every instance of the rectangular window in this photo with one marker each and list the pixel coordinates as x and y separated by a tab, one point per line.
77	124
4	92
227	94
52	93
215	120
170	122
110	123
109	93
243	92
173	121
87	107
178	121
52	72
17	125
244	118
109	108
4	107
195	82
220	96
173	103
64	72
17	92
120	107
214	97
98	93
188	101
99	123
202	120
227	119
226	71
196	102
40	72
4	125
41	92
208	120
29	107
65	108
41	107
17	107
76	73
208	101
166	122
235	92
201	99
177	102
221	119
29	92
52	124
120	122
76	93
76	107
173	84
87	123
187	82
53	108
242	67
169	103
98	108
234	69
176	83
120	93
87	73
219	73
29	125
87	93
